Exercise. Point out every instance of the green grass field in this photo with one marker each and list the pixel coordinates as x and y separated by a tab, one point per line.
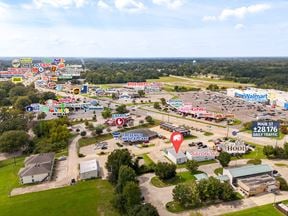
257	211
148	161
179	178
90	198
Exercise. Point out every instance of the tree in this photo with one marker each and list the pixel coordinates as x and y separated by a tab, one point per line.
126	174
12	141
144	210
106	113
115	160
224	158
286	149
41	115
114	96
187	194
141	93
149	119
22	102
268	150
99	129
192	166
83	133
122	109
132	194
163	101
227	192
157	105
48	95
165	170
119	202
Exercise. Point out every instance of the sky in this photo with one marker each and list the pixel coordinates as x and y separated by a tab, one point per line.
144	28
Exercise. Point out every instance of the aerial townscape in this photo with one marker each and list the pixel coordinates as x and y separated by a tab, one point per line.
139	135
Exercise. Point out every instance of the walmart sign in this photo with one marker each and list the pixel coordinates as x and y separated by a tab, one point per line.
252	97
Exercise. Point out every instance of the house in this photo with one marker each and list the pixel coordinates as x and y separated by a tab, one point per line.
89	169
38	168
203	154
177	158
235	174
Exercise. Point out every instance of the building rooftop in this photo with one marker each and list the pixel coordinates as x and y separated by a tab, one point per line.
87	166
223	178
144	131
40	158
172	151
249	170
201	176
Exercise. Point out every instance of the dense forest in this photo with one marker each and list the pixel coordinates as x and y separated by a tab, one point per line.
264	72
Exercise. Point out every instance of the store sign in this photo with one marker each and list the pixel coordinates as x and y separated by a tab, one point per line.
17	80
265	129
133	137
26	61
175	103
252	97
115	116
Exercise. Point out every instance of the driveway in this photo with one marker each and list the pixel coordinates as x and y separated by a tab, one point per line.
64	172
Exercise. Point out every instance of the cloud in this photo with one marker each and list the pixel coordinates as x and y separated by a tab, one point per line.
129	5
239	26
171	4
240	12
103	5
4	12
57	3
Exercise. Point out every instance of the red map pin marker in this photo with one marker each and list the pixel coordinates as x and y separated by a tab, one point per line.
119	121
176	138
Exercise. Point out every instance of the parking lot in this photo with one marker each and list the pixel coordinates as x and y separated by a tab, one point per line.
221	103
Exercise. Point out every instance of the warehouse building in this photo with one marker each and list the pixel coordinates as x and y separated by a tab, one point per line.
255	185
235	174
89	169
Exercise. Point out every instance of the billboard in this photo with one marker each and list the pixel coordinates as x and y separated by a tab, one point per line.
265	129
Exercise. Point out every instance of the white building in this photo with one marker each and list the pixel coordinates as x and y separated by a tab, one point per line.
203	154
177	158
38	168
89	169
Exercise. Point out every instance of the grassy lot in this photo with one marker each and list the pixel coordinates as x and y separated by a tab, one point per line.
190	137
85	198
208	133
218	171
84	141
281	164
166	79
257	211
256	154
148	161
179	178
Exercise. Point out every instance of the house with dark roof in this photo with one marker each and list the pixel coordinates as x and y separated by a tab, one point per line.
38	168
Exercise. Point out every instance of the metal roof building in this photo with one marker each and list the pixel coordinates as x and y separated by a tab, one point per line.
89	169
247	171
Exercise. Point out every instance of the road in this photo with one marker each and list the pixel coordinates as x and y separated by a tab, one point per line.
220	131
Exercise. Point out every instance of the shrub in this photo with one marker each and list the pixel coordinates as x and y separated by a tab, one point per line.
283	183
